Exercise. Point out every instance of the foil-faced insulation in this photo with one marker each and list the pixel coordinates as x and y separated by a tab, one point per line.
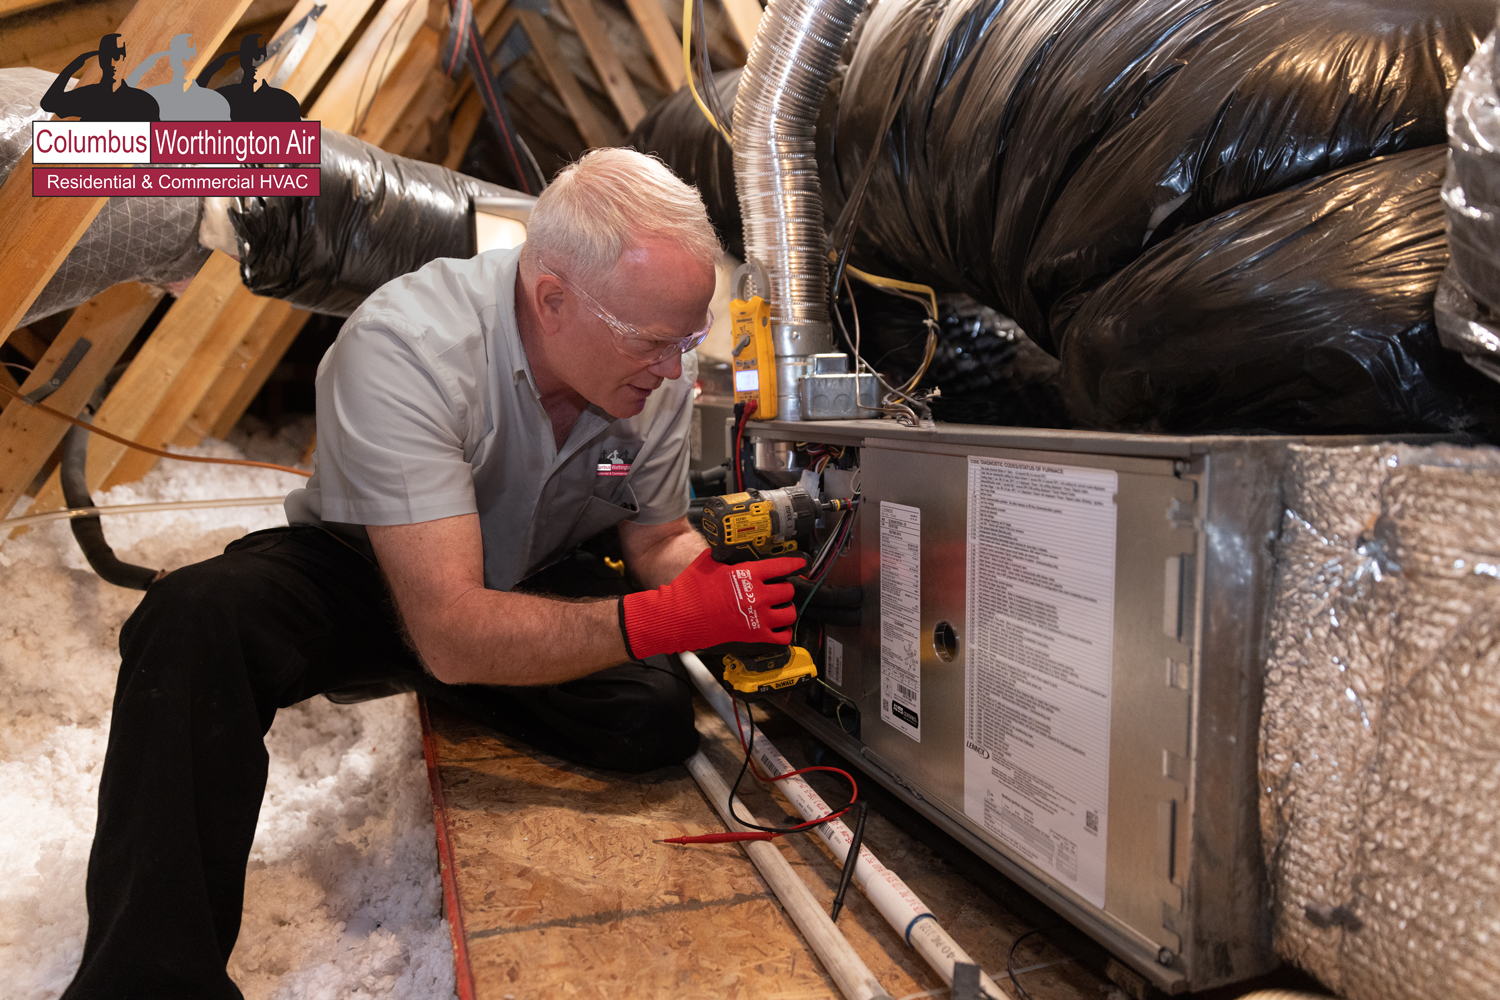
1468	298
1380	734
154	240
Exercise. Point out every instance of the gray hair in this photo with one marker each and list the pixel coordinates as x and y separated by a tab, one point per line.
607	202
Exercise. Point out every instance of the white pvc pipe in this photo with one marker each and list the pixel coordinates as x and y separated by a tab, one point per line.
850	973
901	907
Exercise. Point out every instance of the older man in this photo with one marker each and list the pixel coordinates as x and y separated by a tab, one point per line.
462	416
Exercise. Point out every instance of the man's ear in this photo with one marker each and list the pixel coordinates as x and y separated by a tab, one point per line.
548	298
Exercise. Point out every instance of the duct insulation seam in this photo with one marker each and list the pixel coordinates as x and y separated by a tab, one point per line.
1381	722
154	240
786	77
897	903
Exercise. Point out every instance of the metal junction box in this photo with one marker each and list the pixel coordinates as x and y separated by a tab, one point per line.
1059	663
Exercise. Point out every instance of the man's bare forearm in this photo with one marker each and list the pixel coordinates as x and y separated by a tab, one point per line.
466	634
668	559
656	553
499	637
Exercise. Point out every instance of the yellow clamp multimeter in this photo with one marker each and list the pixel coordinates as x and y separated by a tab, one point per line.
753	352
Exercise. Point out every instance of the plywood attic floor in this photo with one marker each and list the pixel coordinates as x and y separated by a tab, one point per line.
562	891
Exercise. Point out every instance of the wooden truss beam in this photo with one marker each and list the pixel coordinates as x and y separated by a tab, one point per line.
665	43
606	60
109	322
745	16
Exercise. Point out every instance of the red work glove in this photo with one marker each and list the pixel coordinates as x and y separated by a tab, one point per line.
711	603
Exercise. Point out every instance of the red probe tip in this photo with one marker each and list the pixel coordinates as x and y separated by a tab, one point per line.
718	838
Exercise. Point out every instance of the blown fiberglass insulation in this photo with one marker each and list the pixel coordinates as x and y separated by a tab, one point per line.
343	897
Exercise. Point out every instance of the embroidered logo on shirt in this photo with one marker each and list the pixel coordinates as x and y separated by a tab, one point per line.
613	463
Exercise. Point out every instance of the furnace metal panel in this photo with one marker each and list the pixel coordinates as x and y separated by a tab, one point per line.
1185	893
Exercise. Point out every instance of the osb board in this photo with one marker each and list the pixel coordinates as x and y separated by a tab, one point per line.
565	894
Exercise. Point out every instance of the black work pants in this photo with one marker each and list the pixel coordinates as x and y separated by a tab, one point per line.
211	653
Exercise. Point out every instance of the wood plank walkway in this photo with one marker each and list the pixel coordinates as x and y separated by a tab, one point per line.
561	890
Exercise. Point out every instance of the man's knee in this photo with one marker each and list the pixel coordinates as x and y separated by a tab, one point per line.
652	717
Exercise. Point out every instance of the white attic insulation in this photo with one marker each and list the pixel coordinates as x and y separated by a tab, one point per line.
343	897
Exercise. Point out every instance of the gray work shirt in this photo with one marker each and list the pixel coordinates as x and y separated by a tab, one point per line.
427	408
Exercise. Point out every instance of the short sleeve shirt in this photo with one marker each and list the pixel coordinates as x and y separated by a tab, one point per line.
427	408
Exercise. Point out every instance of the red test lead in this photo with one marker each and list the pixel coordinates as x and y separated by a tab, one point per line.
718	838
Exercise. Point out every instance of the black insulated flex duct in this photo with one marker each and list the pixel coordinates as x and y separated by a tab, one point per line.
88	532
1046	146
378	216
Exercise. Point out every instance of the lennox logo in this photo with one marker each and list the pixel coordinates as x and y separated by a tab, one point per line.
977	749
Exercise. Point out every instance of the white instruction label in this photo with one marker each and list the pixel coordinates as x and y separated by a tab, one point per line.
833	662
1041	600
901	617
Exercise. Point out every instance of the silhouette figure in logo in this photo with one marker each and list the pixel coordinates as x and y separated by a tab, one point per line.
109	100
253	99
182	100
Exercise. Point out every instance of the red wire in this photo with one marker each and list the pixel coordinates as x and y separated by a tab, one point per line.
854	796
751	405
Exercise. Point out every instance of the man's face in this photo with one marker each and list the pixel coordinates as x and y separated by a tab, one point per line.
657	289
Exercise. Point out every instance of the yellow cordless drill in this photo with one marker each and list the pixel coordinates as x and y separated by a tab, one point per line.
758	524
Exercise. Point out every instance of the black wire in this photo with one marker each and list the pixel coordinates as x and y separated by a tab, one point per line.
817	563
394	27
705	73
1010	959
833	814
845	527
854	207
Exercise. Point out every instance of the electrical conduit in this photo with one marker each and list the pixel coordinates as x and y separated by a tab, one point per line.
901	907
850	973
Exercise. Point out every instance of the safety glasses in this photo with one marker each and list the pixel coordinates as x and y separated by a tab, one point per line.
632	342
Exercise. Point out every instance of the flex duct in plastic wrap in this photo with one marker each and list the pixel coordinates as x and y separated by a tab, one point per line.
1047	145
676	131
1180	339
1381	726
1468	300
378	216
131	239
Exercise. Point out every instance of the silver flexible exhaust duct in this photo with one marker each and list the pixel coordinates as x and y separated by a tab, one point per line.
791	64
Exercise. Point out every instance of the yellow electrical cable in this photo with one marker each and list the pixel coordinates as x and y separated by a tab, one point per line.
905	286
687	64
